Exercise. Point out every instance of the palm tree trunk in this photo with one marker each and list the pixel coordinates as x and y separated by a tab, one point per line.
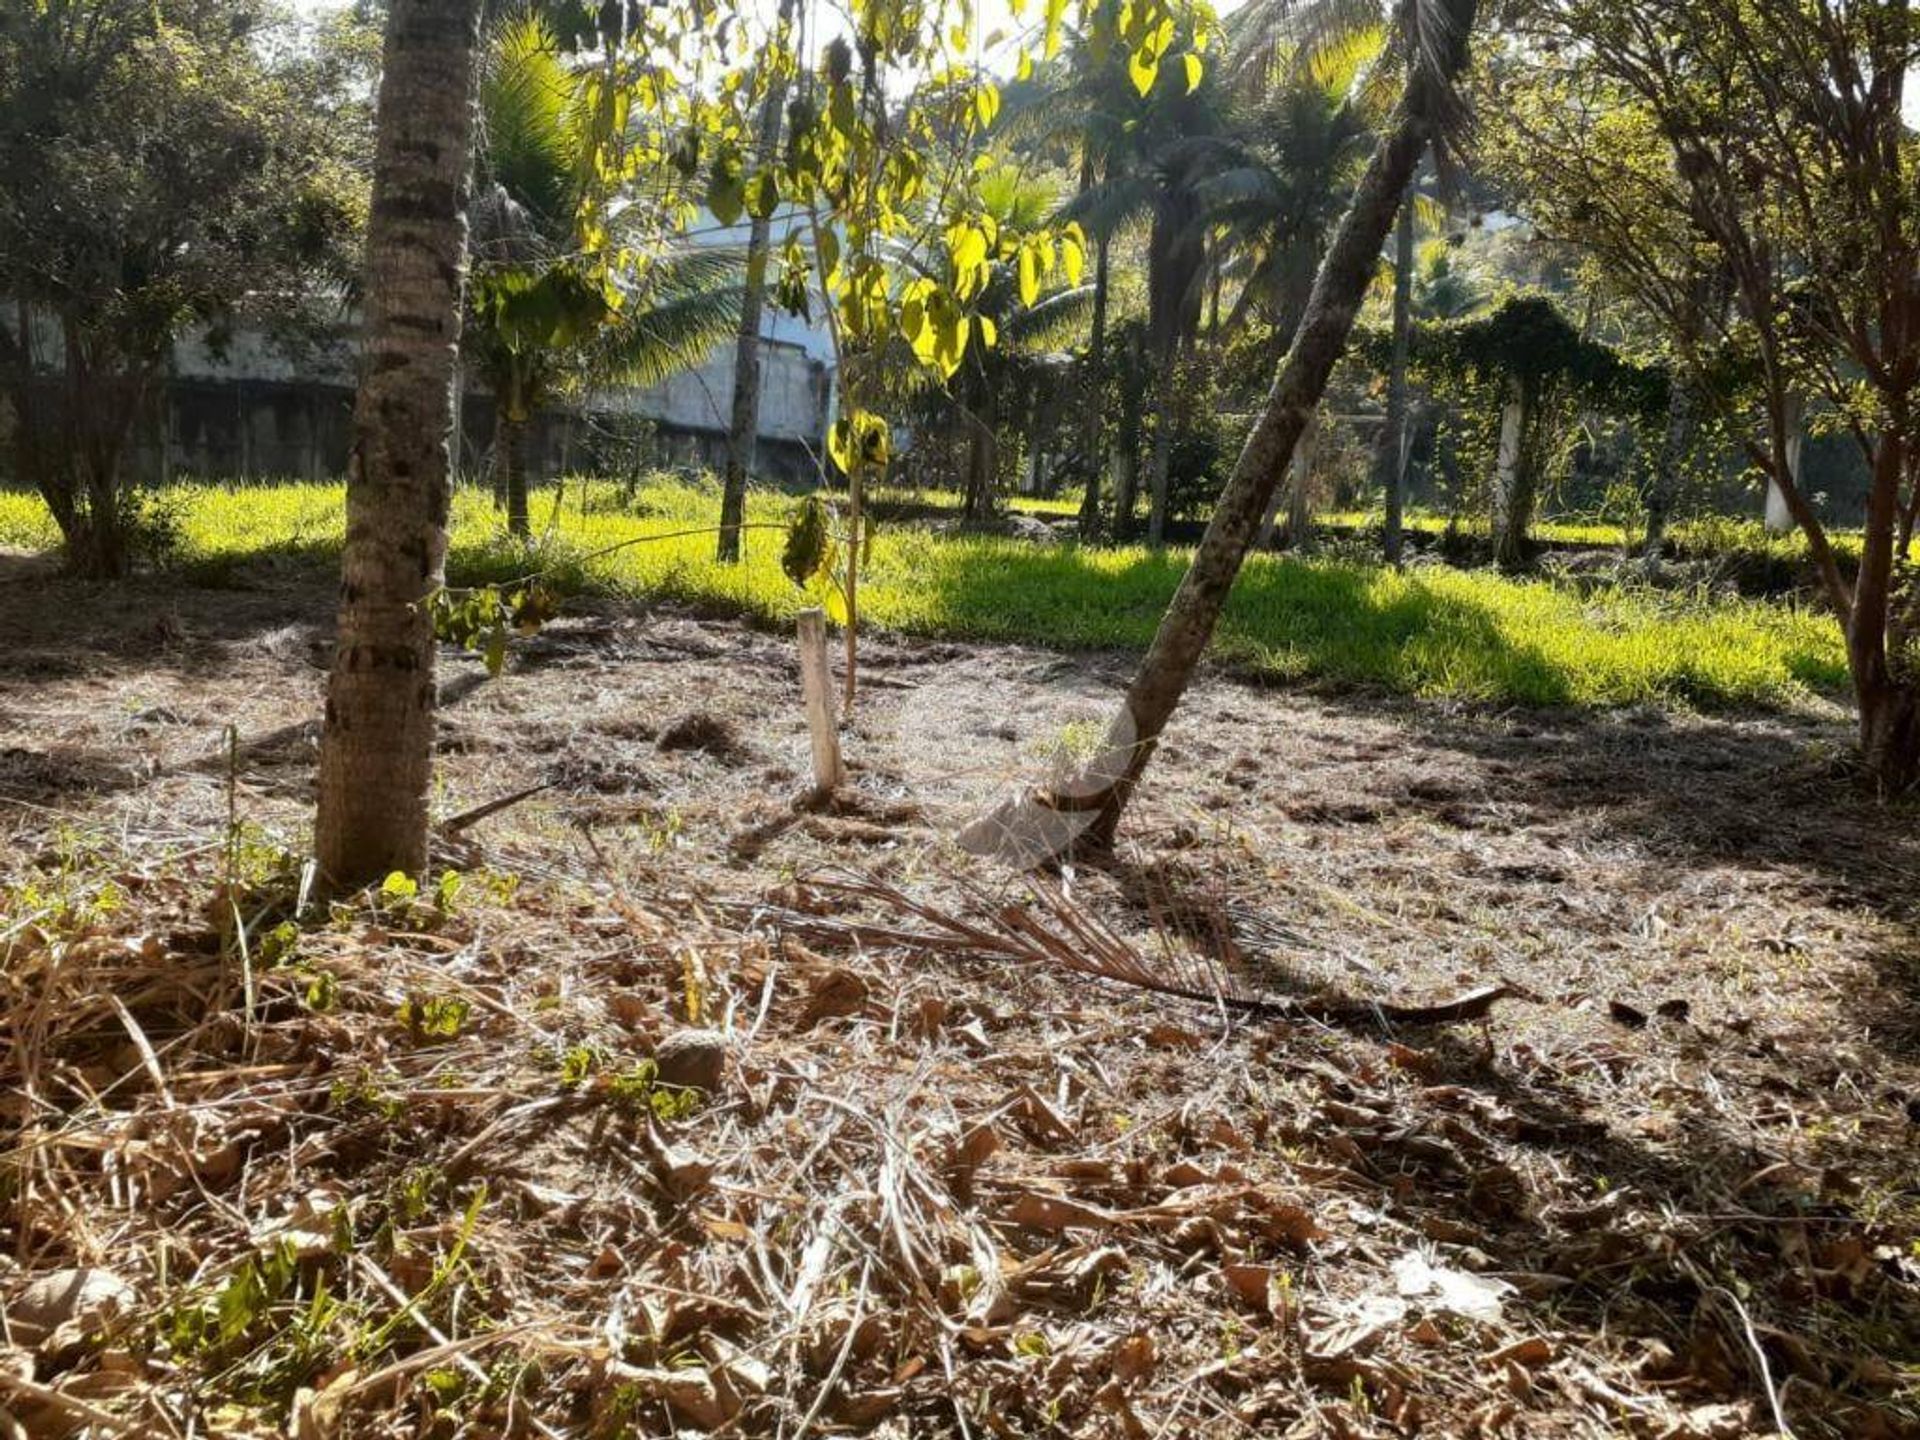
1160	474
1394	433
376	751
1108	783
1093	396
743	428
512	458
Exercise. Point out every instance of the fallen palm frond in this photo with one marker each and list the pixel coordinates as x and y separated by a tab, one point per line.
1057	931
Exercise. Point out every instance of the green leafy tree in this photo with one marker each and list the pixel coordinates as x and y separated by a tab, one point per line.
855	162
1169	146
159	169
1083	110
1029	311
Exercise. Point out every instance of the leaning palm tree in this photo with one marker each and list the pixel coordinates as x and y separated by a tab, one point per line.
376	751
1430	38
551	311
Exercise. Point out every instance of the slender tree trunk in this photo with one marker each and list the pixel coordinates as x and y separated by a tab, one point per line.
1889	705
1663	486
1160	473
1093	396
743	428
1300	488
983	464
1104	788
1779	514
512	458
1391	457
1516	486
1298	534
1126	487
376	750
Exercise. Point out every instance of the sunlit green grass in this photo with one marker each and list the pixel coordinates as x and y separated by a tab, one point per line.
1717	536
1428	631
1050	506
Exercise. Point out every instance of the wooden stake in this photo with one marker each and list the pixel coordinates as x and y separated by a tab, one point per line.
817	686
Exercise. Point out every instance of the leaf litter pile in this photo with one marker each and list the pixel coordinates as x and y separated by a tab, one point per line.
839	1134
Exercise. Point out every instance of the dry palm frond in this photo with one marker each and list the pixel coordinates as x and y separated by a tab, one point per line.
1055	931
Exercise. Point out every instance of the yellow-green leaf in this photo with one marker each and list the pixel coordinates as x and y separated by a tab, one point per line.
1073	252
986	102
1029	275
1143	69
1056	20
1194	71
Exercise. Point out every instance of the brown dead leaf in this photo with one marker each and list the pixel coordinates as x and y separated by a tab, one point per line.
309	1227
689	1392
863	1409
317	1412
1038	1116
1357	1328
973	1149
1416	1062
1070	1279
1132	1358
1054	1213
1530	1353
927	1017
681	1173
65	1307
1172	1037
838	993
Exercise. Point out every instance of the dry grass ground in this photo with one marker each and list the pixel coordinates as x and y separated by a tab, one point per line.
413	1169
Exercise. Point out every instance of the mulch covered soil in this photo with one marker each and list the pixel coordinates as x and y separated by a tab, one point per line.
687	1109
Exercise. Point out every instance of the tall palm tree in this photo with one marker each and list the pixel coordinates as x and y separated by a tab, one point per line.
1171	147
1085	110
376	749
551	311
1303	126
1430	45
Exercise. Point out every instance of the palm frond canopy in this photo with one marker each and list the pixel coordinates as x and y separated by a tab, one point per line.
532	126
1049	323
655	341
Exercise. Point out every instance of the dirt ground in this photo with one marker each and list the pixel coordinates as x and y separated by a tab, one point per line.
1667	1188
